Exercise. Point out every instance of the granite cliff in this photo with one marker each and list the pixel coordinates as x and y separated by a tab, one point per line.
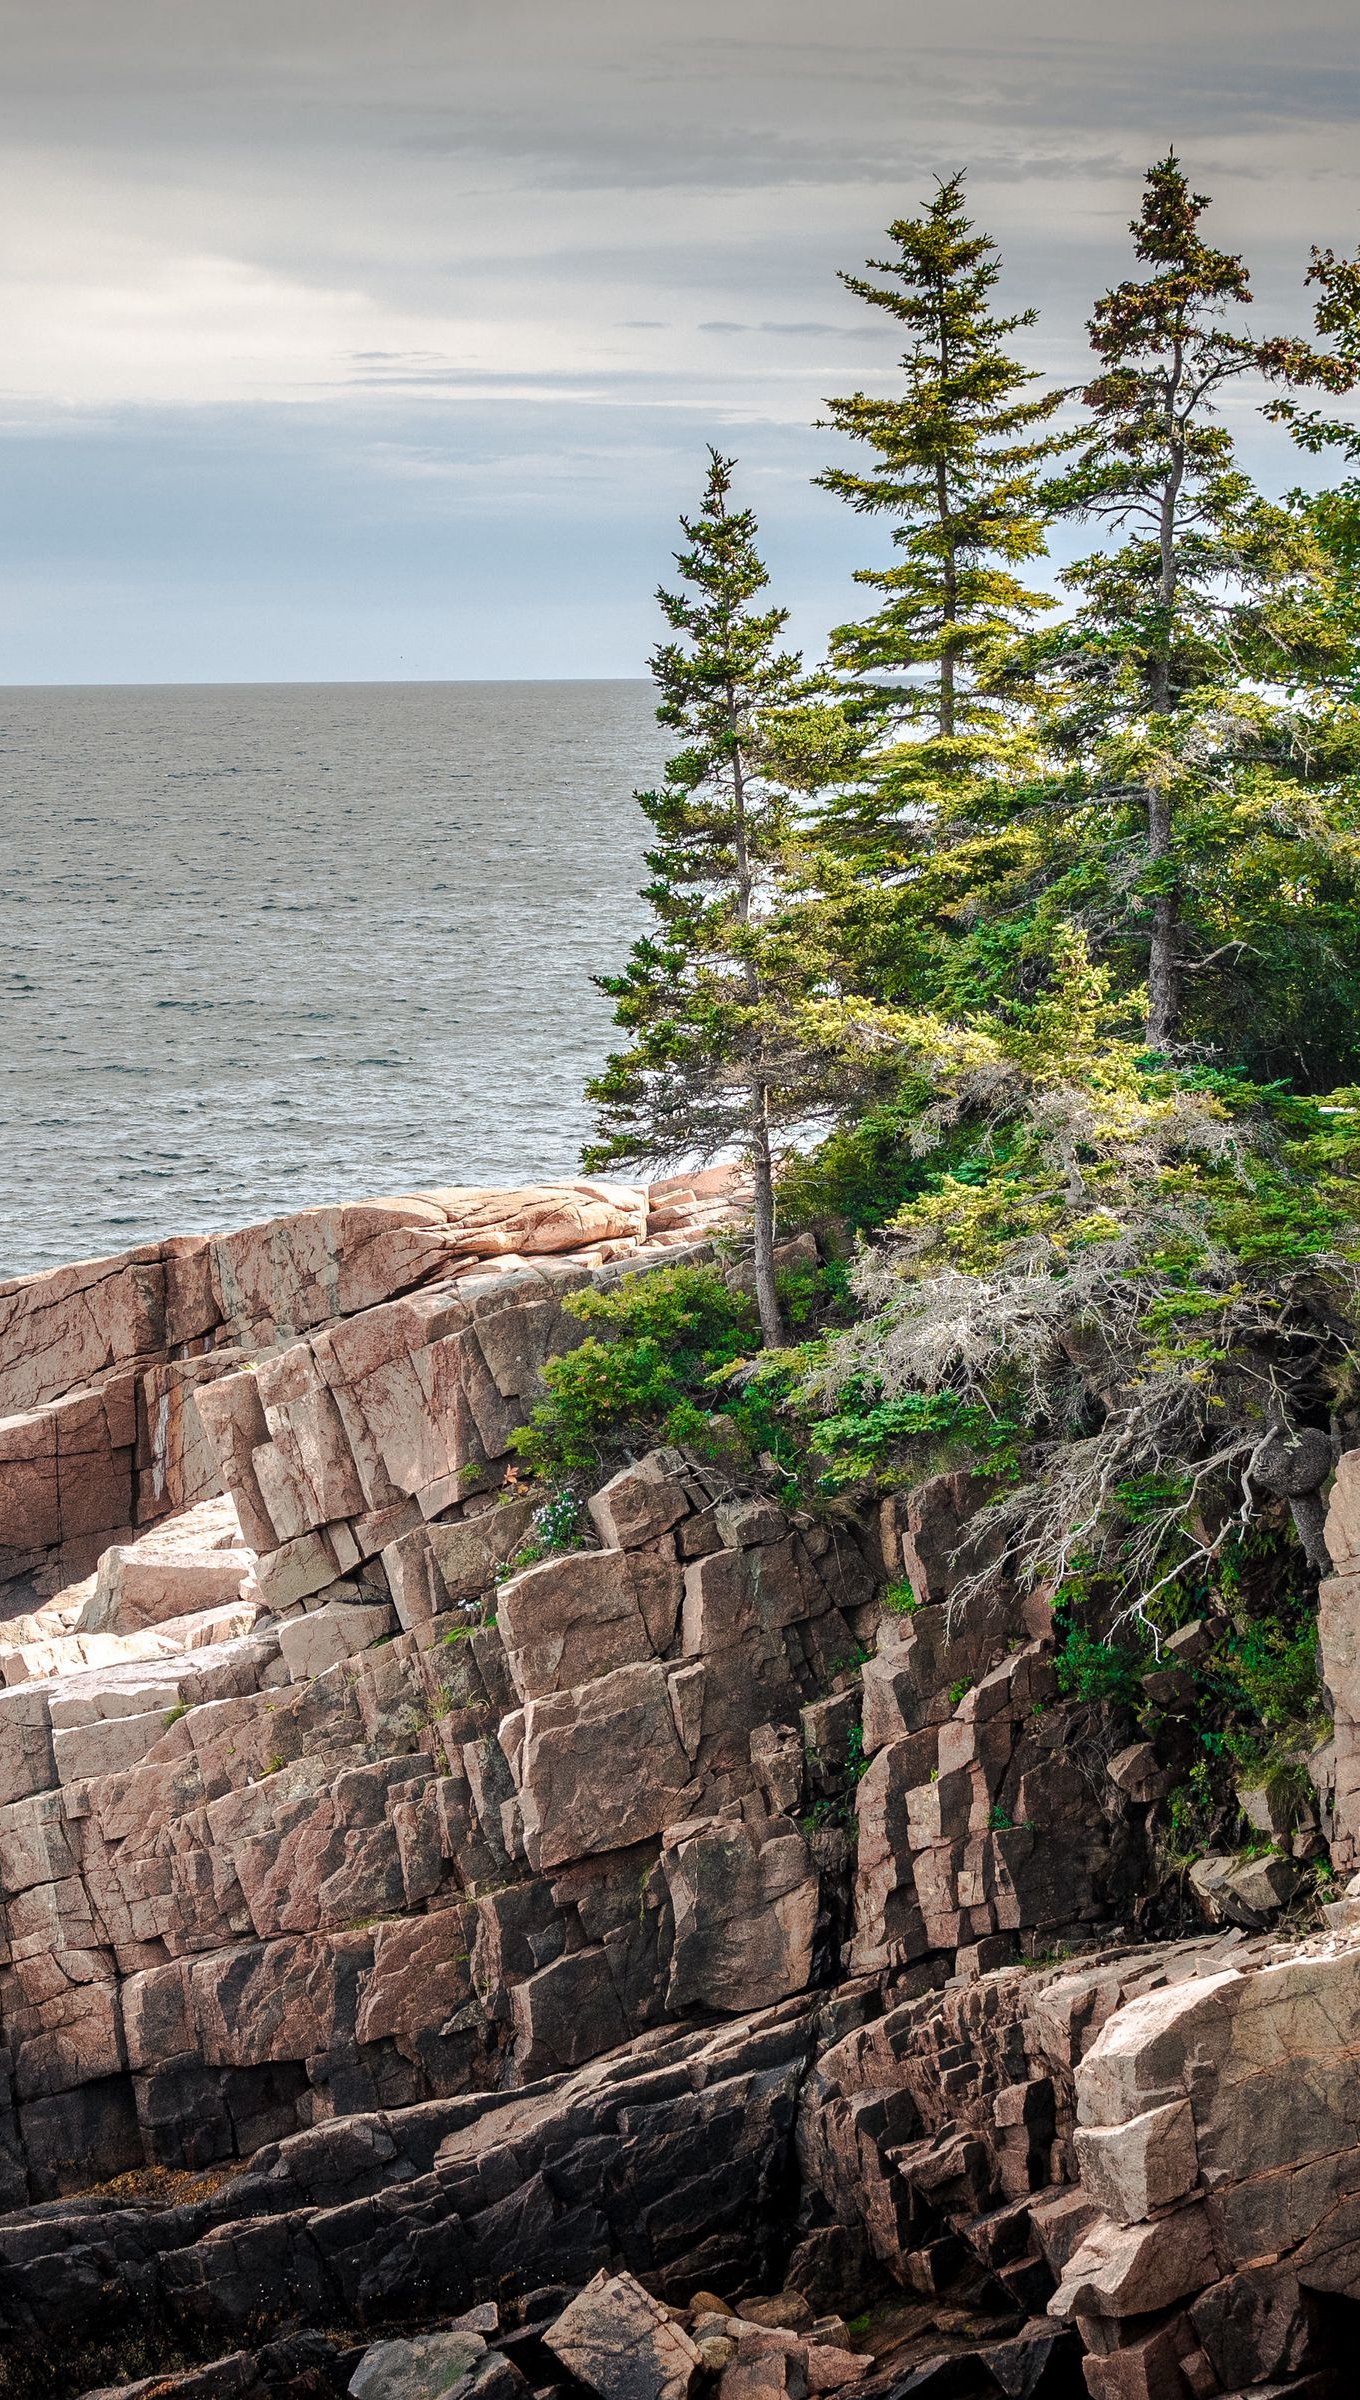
662	1967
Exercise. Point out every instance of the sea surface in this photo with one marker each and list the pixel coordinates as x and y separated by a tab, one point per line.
262	946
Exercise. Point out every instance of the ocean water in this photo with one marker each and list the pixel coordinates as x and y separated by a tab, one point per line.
262	946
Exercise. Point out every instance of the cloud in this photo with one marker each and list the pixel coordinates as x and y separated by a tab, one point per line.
440	259
806	329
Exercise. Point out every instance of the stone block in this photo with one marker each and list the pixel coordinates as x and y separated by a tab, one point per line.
567	2012
600	1767
26	1761
420	1977
1134	2169
621	2343
744	1896
135	1587
1137	2061
1133	2270
430	2366
638	1504
889	1928
108	1747
1136	1772
571	1620
325	1636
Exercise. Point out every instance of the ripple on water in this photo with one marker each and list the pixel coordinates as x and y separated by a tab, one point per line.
266	946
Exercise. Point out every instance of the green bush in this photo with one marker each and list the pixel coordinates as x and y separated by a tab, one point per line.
899	1599
1276	1668
1088	1669
665	1340
893	1442
864	1173
807	1292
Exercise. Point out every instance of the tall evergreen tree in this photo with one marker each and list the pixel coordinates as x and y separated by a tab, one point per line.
1209	598
726	999
955	466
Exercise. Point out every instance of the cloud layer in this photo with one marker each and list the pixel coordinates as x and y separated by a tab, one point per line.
377	341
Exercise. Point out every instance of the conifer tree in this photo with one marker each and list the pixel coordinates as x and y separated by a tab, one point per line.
1209	596
726	998
955	467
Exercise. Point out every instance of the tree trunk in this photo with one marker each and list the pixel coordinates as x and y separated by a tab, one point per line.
950	608
767	1298
1164	997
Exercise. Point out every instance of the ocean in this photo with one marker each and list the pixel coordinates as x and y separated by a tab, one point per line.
262	946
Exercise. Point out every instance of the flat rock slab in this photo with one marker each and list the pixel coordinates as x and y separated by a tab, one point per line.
427	2368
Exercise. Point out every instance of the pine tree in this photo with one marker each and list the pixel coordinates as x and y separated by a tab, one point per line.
726	999
1210	596
956	459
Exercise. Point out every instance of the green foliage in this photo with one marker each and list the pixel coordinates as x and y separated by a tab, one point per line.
557	1526
1051	931
664	1339
1276	1668
863	1173
1088	1669
894	1441
1189	1240
899	1599
953	467
1197	808
731	999
806	1293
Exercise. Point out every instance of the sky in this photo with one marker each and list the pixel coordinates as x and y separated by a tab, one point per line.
370	339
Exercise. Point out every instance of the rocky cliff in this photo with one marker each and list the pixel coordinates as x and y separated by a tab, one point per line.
704	1960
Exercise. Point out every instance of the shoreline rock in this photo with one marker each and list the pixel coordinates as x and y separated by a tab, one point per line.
387	1933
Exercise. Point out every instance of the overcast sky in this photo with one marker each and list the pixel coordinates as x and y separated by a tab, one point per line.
373	338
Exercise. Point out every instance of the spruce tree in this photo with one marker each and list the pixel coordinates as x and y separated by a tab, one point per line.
955	466
726	997
1208	598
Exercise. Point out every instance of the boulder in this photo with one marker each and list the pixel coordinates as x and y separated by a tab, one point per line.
638	1504
431	2366
187	1568
621	2343
1131	2170
326	1635
1243	1891
600	1767
1132	2270
1135	1771
26	1762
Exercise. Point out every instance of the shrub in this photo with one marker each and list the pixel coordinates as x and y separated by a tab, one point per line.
899	1599
665	1340
556	1527
1089	1669
892	1442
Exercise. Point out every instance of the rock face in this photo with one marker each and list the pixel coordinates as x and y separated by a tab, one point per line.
1339	1635
393	1930
102	1364
325	1865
